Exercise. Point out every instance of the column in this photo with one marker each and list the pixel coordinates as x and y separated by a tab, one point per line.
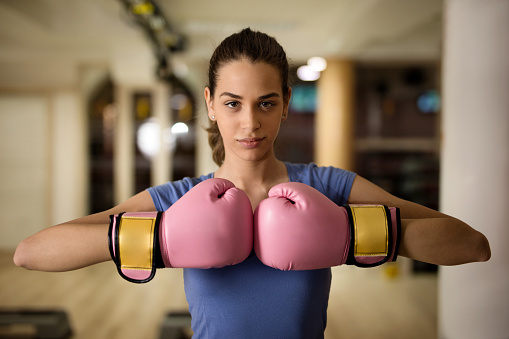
334	123
161	166
197	79
474	298
123	156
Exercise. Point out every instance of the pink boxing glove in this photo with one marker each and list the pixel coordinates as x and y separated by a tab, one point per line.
299	228
210	226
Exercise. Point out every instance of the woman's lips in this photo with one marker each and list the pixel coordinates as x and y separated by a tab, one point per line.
250	142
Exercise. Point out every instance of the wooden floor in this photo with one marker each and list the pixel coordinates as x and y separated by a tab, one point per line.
386	302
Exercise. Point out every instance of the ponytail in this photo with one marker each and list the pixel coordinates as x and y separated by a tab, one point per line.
216	143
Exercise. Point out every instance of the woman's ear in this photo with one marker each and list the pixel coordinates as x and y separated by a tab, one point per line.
287	103
209	102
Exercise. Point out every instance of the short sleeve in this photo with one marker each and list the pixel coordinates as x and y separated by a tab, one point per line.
333	182
336	183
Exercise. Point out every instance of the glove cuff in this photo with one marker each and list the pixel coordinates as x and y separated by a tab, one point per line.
133	240
374	234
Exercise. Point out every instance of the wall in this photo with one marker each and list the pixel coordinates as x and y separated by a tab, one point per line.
24	165
41	167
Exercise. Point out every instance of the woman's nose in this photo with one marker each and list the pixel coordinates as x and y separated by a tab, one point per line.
250	120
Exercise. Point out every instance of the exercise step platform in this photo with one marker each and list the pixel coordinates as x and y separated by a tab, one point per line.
34	324
176	325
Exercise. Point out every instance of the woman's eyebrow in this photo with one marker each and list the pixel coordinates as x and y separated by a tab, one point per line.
270	95
235	96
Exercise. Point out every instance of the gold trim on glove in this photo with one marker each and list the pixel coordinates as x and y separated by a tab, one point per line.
136	241
371	230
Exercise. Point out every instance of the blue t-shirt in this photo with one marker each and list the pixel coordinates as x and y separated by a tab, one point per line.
251	300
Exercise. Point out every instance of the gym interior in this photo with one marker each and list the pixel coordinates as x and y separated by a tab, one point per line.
100	100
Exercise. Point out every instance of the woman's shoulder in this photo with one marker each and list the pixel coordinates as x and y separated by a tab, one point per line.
312	169
167	194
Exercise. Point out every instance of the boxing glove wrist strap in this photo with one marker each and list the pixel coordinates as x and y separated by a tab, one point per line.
374	234
134	245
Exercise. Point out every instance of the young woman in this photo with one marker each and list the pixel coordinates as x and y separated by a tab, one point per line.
247	99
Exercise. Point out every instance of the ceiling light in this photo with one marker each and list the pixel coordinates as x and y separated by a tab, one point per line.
318	64
179	128
149	138
306	73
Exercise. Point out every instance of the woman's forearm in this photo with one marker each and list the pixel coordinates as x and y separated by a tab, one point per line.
78	243
64	247
442	241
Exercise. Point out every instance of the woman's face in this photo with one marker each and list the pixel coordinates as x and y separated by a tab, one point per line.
248	106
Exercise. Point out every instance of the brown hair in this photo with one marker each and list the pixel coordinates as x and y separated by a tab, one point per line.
254	46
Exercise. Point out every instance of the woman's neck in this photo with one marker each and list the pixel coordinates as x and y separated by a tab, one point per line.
255	178
251	174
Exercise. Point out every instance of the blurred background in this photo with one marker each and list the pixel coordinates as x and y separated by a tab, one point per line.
100	99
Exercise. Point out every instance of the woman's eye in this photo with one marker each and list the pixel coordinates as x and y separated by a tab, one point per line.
266	104
232	104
